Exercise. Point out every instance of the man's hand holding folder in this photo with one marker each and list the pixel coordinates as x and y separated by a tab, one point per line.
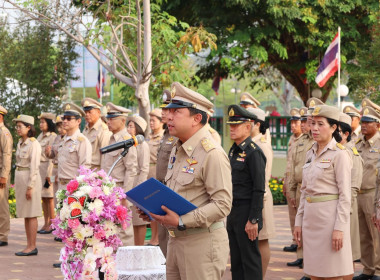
171	219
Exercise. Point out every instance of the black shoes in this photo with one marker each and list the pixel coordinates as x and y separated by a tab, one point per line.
357	261
364	277
31	253
57	239
3	243
305	278
57	265
291	248
298	262
45	231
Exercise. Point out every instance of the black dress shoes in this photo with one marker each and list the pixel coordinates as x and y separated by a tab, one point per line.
305	278
363	277
57	239
57	265
291	248
45	231
31	253
357	261
3	243
298	262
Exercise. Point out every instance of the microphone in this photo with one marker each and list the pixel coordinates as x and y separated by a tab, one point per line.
134	141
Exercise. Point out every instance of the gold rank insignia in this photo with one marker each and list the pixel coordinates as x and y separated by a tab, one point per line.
243	154
243	98
18	116
312	103
253	146
355	151
364	103
366	111
191	161
173	91
347	109
67	107
189	148
207	144
325	160
340	146
263	139
170	139
86	103
231	113
293	113
302	112
316	111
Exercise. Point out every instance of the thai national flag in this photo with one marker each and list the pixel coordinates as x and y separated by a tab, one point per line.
330	63
100	87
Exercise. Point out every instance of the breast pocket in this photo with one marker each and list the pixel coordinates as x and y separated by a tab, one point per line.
23	158
185	179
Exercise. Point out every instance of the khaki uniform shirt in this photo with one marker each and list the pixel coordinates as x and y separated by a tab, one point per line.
6	145
325	174
356	134
99	136
261	141
28	155
143	157
199	170
215	135
163	154
289	162
377	196
154	144
73	151
357	169
125	170
301	147
54	149
46	140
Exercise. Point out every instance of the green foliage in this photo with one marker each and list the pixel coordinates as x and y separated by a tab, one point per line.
276	185
12	202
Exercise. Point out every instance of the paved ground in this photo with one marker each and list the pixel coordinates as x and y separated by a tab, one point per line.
40	267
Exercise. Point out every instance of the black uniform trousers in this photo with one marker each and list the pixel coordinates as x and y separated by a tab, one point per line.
245	254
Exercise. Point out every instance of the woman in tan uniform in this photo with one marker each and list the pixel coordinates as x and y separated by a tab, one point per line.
46	138
356	181
136	126
268	230
323	216
28	181
156	125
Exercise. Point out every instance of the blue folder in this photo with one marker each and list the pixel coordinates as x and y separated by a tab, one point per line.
150	195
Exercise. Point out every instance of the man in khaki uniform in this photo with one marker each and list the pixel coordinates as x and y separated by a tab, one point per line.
126	169
369	148
199	171
295	127
215	135
75	149
163	154
295	181
96	130
355	122
6	144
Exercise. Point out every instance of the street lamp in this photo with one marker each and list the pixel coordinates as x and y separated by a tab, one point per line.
343	92
236	91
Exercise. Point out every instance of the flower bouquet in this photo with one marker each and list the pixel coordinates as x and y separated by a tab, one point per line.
89	215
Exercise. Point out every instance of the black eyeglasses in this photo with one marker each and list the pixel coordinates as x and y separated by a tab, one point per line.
68	118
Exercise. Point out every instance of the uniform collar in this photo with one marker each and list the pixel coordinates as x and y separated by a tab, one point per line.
25	142
193	141
296	138
1	124
73	137
357	130
119	135
160	134
243	145
374	138
330	146
96	126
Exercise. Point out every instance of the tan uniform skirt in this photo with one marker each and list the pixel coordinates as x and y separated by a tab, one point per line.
54	180
136	220
268	230
354	229
45	192
27	208
318	256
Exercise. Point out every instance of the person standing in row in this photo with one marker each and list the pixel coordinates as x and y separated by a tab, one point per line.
46	138
125	170
248	187
295	126
6	144
215	135
96	130
163	154
137	126
355	122
322	224
198	170
368	147
356	181
268	231
157	131
28	181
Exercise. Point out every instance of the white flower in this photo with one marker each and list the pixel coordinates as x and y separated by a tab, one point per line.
106	190
80	178
64	213
87	231
97	205
110	228
92	241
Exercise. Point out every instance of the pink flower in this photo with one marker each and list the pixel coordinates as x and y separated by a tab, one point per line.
96	192
100	233
102	173
121	213
72	186
74	223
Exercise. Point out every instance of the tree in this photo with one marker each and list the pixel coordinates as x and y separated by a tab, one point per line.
292	36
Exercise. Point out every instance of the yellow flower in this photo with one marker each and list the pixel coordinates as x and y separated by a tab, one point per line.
9	201
275	189
274	181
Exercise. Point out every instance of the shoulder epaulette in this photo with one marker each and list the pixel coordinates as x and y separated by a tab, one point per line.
54	134
355	151
340	146
207	144
80	138
263	139
32	139
253	145
104	126
211	130
3	128
357	141
126	137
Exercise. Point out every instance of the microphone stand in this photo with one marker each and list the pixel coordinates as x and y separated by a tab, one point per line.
123	154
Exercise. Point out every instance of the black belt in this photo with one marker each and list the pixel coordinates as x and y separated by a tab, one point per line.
238	202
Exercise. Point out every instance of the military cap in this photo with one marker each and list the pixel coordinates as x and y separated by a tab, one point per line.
368	103
295	114
260	114
49	116
166	97
3	111
247	99
370	115
89	103
183	97
304	113
313	101
239	115
156	112
138	120
25	119
345	118
211	112
71	109
114	111
326	111
351	111
58	119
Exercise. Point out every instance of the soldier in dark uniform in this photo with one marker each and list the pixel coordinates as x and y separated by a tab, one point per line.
248	180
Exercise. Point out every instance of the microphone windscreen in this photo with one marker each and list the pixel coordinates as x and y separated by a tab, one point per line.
140	139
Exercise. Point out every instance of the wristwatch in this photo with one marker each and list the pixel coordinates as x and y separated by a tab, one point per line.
181	226
254	221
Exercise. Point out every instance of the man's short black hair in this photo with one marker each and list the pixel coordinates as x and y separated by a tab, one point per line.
194	111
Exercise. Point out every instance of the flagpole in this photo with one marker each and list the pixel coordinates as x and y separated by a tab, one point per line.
101	83
338	92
